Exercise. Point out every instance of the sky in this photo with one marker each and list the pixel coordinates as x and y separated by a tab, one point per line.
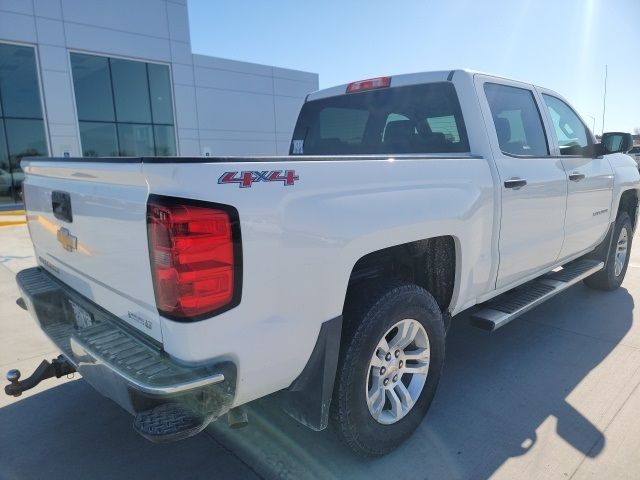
563	45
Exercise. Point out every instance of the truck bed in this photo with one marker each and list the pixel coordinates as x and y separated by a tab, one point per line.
334	210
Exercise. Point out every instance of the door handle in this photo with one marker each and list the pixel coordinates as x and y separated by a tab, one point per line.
515	183
576	177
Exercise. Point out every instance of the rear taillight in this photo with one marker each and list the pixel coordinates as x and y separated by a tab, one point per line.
194	248
370	84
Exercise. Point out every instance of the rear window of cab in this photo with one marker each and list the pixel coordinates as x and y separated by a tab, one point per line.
413	119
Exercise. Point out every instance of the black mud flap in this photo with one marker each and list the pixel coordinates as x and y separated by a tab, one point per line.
309	397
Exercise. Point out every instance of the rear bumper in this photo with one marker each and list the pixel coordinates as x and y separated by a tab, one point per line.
119	362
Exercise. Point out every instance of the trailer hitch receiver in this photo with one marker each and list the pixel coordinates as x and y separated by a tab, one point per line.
58	367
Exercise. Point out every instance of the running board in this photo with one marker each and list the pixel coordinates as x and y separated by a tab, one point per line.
499	311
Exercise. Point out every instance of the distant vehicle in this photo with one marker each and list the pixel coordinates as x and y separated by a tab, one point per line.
185	288
635	153
9	184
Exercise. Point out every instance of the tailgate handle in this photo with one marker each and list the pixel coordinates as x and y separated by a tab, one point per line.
61	205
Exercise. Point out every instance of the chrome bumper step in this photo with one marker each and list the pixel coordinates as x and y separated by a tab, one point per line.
169	399
501	310
106	341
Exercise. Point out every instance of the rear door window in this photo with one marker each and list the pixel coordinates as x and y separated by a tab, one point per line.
517	120
413	119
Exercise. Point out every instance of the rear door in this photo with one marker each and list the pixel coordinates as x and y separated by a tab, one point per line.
533	183
590	180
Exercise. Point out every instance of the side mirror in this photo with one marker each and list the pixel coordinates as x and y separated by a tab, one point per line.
614	142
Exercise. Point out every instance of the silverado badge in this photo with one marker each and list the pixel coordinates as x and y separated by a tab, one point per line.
68	241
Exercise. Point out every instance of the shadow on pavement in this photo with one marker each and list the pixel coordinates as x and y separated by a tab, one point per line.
70	431
496	390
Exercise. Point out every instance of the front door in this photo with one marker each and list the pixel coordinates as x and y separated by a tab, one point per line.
533	183
590	179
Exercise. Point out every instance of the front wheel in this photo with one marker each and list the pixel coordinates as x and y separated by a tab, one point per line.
612	275
390	362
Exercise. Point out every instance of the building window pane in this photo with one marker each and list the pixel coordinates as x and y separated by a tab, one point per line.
4	153
25	138
22	128
160	91
131	91
6	181
135	140
98	139
165	140
137	113
19	82
92	86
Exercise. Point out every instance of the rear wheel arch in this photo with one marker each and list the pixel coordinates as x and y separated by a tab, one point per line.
309	396
431	263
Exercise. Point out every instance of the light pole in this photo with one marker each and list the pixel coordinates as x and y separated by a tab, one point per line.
593	129
604	97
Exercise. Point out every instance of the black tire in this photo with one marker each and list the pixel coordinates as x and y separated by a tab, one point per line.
370	312
607	279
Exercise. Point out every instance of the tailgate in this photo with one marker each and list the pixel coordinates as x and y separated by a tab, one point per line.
100	249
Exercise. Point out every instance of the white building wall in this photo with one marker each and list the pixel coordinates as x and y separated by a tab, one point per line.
222	107
246	108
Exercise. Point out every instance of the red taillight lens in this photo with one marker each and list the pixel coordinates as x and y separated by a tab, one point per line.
192	252
370	84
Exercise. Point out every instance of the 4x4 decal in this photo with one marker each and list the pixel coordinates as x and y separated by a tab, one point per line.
247	179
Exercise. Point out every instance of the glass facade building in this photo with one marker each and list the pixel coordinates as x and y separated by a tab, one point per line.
124	107
119	78
22	131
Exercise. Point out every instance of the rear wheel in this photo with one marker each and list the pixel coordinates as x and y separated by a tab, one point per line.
390	363
612	275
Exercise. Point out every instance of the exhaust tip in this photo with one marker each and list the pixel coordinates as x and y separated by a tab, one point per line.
21	303
237	418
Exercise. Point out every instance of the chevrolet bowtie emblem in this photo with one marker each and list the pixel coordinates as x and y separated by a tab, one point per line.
68	241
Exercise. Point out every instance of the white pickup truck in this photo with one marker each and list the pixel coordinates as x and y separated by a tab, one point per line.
183	288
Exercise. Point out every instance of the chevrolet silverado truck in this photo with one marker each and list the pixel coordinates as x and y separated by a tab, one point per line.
184	288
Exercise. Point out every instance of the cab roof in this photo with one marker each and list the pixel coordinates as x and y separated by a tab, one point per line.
406	79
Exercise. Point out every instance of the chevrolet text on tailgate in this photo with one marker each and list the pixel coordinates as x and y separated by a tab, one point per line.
184	288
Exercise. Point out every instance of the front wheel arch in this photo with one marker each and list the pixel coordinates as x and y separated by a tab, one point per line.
609	278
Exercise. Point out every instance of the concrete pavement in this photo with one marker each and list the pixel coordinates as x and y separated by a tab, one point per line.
554	394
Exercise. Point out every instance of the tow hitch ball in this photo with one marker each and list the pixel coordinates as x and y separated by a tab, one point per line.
58	367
